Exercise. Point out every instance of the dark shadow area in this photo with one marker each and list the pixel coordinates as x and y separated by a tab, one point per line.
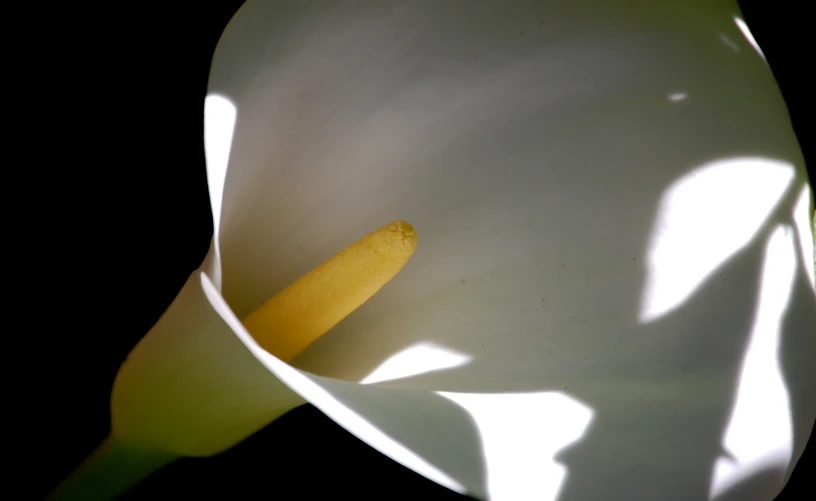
782	30
796	356
303	455
114	185
442	425
800	485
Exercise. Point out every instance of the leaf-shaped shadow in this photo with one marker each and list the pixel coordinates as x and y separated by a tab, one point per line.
684	435
641	440
796	361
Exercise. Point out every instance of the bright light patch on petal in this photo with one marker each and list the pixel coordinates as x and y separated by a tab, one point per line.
703	219
418	359
802	218
760	434
219	125
521	434
323	400
676	97
749	36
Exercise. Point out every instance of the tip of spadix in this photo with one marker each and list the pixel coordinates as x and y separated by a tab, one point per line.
405	230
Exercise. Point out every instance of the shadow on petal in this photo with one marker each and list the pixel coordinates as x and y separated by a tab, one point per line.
796	360
656	436
432	426
302	455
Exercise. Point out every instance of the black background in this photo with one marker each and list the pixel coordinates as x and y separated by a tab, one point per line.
109	214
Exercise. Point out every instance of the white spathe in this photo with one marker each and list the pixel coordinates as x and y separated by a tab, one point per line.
762	398
531	428
533	147
743	192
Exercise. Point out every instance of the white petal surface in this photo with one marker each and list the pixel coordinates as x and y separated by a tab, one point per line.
530	144
219	126
805	219
758	434
743	192
505	422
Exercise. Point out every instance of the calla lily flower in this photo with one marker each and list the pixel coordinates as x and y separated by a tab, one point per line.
613	293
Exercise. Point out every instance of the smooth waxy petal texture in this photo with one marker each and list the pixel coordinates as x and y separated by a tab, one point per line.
552	153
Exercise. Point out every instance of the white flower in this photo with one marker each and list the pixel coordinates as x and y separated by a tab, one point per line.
613	296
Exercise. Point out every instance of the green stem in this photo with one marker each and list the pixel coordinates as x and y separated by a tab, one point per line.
109	471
